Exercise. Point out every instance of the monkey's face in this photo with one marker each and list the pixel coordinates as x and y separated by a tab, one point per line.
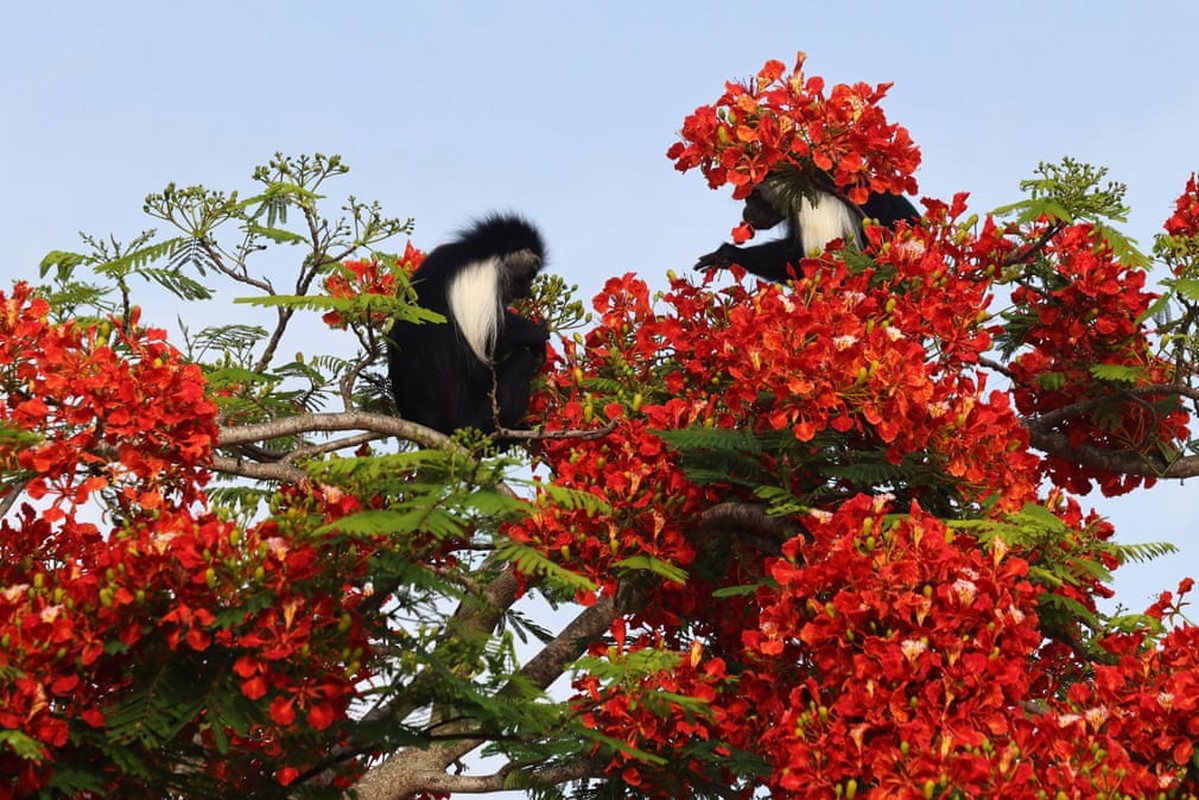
760	212
521	268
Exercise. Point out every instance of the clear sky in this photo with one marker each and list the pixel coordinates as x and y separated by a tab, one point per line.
563	111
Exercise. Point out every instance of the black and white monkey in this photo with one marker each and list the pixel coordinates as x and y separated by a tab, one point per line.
812	222
442	374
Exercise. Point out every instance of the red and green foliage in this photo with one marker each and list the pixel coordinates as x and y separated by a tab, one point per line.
259	618
823	537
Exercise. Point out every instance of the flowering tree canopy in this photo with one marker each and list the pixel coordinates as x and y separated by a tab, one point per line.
820	539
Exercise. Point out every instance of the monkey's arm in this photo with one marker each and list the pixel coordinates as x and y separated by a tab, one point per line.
519	354
521	332
889	209
769	260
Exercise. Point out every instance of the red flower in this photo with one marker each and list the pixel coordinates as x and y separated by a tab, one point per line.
781	118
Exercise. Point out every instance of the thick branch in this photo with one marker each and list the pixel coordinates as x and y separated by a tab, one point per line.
474	615
484	614
1042	436
545	667
749	523
379	424
341	421
274	471
423	774
1117	462
370	426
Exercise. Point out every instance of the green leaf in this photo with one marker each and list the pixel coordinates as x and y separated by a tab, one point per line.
1039	515
533	562
62	262
1051	380
1115	372
1140	552
1187	288
23	746
658	567
276	235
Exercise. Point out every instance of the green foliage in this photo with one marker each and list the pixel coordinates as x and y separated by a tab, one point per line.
160	706
1062	556
1071	191
1115	372
222	234
555	302
386	305
433	498
152	717
724	456
531	561
809	473
20	744
14	439
654	566
159	263
1062	194
233	343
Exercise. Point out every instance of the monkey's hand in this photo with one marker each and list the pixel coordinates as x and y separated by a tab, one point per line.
522	332
722	258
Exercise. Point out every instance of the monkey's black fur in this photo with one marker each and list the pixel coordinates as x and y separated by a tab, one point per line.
442	374
811	225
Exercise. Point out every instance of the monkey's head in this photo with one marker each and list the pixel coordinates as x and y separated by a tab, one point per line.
517	247
520	268
766	206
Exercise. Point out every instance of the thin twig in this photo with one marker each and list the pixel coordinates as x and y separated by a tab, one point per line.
10	499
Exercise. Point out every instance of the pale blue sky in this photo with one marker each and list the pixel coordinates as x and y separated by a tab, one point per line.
563	111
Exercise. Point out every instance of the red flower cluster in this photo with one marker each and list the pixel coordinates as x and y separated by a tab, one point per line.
891	656
881	356
631	469
1089	317
920	643
878	358
783	118
917	643
357	278
882	653
656	715
92	617
1185	219
113	409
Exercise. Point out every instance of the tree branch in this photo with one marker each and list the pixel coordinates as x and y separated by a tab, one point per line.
376	426
1043	437
1002	369
1117	462
334	421
411	770
1031	250
271	471
9	499
1059	415
496	781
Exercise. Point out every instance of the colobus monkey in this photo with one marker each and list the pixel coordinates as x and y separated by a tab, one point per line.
442	374
812	222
